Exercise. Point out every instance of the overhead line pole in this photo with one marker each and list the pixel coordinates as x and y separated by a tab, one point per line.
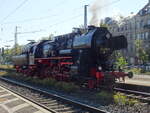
16	40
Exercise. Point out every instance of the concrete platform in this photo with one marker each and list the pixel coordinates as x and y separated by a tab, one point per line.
12	103
143	80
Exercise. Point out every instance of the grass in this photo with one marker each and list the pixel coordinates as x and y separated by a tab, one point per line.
67	87
121	99
50	82
138	71
47	82
105	97
135	70
118	98
146	73
2	73
6	66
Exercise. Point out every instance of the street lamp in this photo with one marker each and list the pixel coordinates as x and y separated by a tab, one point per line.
7	46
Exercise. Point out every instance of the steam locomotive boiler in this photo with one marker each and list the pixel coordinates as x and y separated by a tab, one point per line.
80	58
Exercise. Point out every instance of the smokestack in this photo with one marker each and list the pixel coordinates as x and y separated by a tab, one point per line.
98	9
85	16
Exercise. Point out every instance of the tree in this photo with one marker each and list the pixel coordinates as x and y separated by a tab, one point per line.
141	53
8	53
120	60
103	25
50	37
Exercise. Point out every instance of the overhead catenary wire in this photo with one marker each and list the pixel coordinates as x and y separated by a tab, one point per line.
13	11
37	19
63	21
32	19
41	18
66	20
111	3
53	15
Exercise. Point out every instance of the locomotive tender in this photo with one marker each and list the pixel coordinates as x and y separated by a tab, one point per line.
80	58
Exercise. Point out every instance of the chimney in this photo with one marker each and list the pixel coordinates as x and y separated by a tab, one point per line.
85	16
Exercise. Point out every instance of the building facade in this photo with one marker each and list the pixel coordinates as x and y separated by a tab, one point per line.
135	27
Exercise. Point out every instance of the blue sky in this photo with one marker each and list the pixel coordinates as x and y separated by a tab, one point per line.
44	17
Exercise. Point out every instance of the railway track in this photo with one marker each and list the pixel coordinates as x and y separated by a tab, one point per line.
140	88
52	102
142	96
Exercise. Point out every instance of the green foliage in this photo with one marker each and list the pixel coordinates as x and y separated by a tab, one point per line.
48	82
67	87
104	97
142	54
2	73
50	37
8	53
136	70
132	102
103	25
120	61
6	66
121	99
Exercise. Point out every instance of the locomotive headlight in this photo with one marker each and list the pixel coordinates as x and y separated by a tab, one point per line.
108	36
99	68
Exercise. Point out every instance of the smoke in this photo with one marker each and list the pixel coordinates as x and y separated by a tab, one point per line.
98	9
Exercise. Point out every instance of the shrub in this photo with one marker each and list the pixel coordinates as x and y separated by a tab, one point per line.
58	85
121	99
132	102
67	87
6	66
136	70
49	81
35	80
104	97
2	73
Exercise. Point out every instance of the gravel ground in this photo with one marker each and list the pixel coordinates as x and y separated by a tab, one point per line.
140	108
88	97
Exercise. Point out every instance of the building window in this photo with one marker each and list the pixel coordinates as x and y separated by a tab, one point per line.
122	28
126	27
138	25
142	36
148	10
130	25
138	36
141	23
146	35
148	22
118	29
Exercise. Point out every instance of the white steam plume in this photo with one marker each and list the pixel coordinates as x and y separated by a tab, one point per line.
98	9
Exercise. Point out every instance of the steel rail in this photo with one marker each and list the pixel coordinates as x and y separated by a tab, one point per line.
145	98
29	99
57	97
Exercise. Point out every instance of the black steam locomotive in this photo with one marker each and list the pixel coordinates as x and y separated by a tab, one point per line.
83	58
